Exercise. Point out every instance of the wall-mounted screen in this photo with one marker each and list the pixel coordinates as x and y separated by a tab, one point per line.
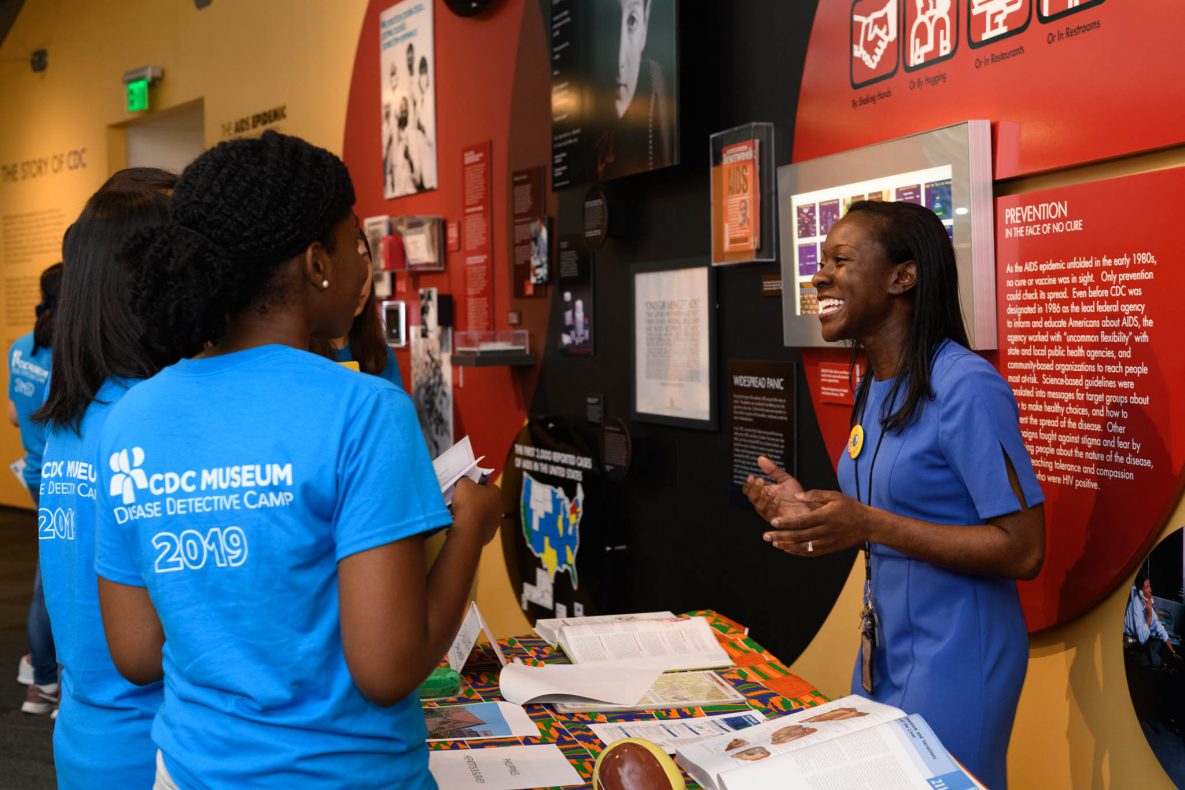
614	89
947	170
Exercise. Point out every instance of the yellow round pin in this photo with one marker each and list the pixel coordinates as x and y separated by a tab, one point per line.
856	441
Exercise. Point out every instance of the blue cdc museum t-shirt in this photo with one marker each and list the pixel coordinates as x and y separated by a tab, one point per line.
102	737
231	487
28	376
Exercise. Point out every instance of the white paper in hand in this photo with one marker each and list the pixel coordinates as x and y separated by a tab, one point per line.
457	462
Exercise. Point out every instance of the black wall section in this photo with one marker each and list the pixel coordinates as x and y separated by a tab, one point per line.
690	543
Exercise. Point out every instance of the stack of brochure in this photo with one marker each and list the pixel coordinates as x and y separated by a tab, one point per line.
667	645
851	742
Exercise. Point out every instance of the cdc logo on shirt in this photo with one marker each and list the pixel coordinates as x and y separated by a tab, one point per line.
128	474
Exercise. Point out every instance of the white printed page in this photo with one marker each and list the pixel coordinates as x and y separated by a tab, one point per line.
503	768
706	760
899	755
457	462
549	628
466	638
669	733
670	645
616	685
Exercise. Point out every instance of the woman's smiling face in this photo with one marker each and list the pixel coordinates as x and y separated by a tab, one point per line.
854	282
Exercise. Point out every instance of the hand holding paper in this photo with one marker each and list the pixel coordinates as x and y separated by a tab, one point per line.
457	462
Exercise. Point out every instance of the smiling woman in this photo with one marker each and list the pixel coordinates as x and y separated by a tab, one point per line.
936	487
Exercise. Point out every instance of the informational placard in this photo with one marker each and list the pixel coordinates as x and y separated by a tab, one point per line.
836	383
760	416
477	246
576	298
614	91
531	229
407	64
554	546
674	349
1090	341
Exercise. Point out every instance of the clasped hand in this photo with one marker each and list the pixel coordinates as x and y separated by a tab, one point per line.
806	523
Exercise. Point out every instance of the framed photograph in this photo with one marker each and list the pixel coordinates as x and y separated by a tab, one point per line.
375	230
395	322
674	323
614	89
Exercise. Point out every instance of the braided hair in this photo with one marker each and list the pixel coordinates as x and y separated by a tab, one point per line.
239	211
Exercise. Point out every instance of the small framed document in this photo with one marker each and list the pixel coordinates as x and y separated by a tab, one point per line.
395	322
674	321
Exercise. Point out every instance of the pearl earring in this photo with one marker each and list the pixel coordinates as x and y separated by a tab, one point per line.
324	284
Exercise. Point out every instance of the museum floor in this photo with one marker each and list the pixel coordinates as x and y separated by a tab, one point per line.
26	752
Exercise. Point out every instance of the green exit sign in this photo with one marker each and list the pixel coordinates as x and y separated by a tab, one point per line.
137	95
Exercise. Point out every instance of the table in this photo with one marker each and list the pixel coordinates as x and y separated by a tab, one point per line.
766	683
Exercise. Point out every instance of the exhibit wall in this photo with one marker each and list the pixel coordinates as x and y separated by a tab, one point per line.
1085	263
652	513
252	65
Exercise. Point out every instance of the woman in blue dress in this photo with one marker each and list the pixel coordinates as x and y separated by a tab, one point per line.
937	487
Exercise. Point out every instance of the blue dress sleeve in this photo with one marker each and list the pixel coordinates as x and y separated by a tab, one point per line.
978	427
391	371
387	487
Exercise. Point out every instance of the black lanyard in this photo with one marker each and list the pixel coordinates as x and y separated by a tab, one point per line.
871	471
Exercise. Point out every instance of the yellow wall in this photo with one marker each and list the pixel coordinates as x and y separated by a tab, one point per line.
239	56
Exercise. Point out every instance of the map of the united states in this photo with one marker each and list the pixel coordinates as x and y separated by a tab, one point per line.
551	523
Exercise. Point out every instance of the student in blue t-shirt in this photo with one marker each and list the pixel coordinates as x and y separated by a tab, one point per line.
28	374
102	735
365	343
264	507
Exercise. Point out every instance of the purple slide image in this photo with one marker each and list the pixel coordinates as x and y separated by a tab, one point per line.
828	216
910	194
938	198
808	259
807	221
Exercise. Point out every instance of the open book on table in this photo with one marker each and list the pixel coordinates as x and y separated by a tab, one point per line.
851	742
669	645
549	628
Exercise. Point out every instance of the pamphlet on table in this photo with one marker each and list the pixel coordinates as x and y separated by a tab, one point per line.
503	768
839	744
473	625
669	645
669	690
668	734
478	721
616	685
549	628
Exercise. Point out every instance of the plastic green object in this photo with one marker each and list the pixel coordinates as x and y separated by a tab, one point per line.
443	682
